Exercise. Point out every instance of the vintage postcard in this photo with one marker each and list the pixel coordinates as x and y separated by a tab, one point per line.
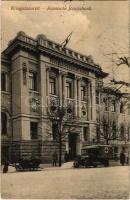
65	99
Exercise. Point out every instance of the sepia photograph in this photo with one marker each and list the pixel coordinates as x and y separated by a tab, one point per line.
65	99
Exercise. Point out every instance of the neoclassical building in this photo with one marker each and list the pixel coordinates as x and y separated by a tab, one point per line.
37	74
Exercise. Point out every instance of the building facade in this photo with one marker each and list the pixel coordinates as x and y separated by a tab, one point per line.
36	75
113	120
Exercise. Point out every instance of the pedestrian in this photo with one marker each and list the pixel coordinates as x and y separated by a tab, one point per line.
66	157
6	164
127	160
54	159
122	158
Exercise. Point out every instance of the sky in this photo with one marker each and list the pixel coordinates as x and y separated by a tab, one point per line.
99	31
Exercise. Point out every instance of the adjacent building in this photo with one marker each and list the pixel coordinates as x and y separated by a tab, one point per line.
113	120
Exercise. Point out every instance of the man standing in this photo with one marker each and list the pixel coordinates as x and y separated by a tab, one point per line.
122	158
54	158
66	157
6	164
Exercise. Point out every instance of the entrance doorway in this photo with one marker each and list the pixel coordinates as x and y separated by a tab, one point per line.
72	145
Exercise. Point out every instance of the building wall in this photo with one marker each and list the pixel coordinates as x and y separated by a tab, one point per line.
116	117
26	106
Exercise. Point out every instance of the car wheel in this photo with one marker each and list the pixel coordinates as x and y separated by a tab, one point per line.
94	165
106	164
76	165
86	165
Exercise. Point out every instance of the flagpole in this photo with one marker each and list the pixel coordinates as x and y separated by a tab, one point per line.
66	40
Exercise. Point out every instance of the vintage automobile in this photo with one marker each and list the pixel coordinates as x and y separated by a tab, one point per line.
28	164
93	156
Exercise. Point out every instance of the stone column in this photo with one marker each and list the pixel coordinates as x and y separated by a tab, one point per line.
64	87
60	87
75	96
89	101
42	80
93	89
67	144
47	84
79	97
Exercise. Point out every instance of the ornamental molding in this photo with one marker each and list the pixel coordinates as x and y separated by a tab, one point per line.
70	56
84	109
68	67
35	104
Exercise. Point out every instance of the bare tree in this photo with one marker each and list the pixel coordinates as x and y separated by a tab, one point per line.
57	116
108	121
110	130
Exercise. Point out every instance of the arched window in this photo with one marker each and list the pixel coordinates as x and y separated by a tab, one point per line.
3	123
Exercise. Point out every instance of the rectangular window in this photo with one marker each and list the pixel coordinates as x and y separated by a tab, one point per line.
105	102
86	133
122	108
98	133
97	97
68	89
33	130
3	82
128	106
113	106
55	130
33	81
82	93
52	82
3	123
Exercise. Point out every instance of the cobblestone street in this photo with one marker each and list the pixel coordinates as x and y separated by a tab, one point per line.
68	183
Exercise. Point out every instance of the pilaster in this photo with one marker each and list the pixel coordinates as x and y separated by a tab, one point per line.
60	87
47	84
43	87
75	96
79	96
64	87
89	101
93	99
20	95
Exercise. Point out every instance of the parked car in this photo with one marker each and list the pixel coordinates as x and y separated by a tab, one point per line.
28	164
93	156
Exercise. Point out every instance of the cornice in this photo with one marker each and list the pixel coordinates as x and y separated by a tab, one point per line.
5	60
53	49
67	58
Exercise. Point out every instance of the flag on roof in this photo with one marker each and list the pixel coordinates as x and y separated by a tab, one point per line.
64	44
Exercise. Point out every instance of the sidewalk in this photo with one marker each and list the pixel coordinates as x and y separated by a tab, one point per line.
66	165
69	165
114	163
